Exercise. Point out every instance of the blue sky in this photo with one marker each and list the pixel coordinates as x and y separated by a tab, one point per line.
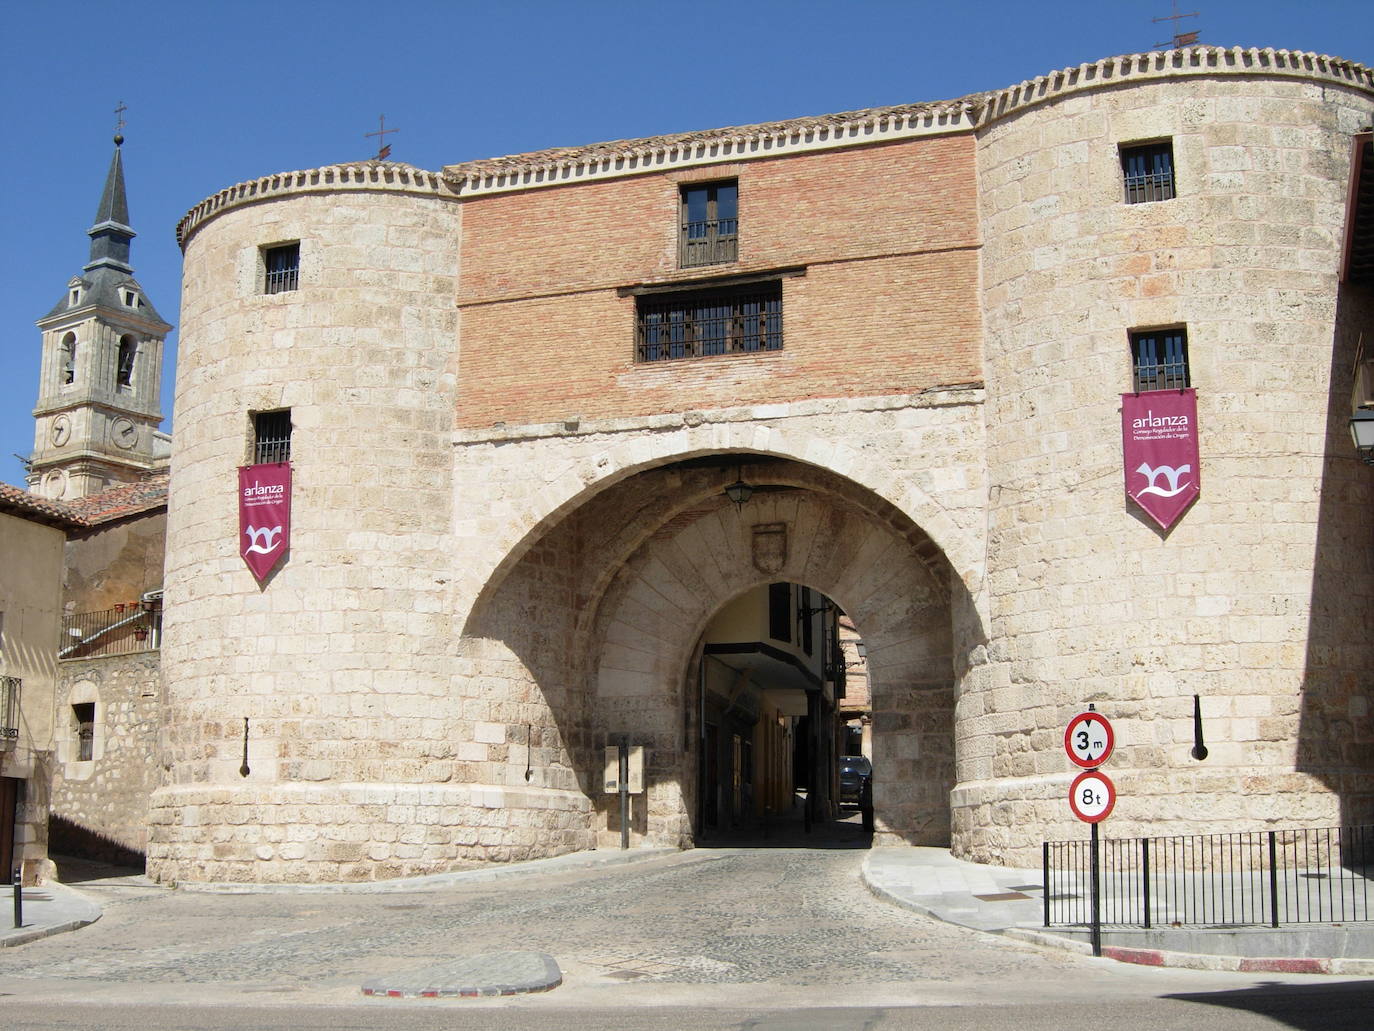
222	92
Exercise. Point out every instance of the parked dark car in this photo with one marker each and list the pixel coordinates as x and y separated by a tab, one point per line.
856	771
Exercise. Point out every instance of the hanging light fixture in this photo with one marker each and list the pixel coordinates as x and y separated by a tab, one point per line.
739	492
1361	431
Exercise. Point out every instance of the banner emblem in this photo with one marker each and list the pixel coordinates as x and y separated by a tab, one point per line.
264	515
1160	451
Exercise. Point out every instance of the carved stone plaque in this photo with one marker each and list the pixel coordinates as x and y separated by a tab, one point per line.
770	547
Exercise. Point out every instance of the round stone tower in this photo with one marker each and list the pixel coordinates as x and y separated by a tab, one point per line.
1242	602
301	714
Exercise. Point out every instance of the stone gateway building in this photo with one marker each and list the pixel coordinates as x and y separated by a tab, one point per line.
513	394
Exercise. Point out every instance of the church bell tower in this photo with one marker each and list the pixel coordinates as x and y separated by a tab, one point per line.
97	412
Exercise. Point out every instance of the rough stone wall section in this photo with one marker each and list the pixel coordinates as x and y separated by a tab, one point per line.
109	794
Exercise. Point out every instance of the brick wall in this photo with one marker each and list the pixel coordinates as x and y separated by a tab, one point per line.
545	336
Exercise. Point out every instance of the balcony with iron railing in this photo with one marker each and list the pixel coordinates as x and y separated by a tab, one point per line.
9	711
712	241
129	627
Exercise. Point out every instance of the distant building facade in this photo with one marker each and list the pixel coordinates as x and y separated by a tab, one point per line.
515	395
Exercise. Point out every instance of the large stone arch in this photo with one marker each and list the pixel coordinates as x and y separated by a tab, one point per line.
540	479
593	630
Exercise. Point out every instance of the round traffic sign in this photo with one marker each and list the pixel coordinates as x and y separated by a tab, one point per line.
1091	796
1088	740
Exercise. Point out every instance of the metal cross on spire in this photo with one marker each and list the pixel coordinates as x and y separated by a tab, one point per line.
383	148
119	123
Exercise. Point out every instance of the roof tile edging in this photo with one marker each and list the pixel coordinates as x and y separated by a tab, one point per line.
630	157
362	176
1163	64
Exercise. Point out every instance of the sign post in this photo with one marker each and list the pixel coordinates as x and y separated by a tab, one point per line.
1088	742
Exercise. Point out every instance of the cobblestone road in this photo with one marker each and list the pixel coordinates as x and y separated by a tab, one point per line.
788	927
780	916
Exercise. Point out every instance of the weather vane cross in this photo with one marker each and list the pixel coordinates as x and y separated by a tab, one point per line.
383	148
1181	39
119	121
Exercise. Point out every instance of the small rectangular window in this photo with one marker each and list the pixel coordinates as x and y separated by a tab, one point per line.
1159	358
710	224
282	267
272	437
83	715
1148	171
698	325
780	612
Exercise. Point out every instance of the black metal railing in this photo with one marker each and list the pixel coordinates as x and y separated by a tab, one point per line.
10	688
132	627
1315	875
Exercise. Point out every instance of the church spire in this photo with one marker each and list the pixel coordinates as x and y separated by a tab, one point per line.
110	235
96	421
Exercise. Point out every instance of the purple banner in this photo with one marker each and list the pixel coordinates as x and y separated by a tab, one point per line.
264	515
1159	445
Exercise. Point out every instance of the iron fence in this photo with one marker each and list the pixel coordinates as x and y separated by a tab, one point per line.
1315	875
132	627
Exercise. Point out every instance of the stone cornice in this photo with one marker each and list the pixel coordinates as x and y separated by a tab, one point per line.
944	396
1154	65
742	143
365	176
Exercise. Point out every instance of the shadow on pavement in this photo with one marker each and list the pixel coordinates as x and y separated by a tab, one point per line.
1315	1007
789	831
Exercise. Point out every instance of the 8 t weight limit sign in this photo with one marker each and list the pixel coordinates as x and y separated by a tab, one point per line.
1092	796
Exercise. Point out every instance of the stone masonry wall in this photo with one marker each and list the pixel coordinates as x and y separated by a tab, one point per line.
108	794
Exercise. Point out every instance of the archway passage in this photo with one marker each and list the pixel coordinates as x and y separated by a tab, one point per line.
599	632
769	690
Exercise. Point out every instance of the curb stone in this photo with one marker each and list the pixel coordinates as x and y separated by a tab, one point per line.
497	974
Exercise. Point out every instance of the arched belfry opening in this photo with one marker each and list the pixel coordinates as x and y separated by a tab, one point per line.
625	618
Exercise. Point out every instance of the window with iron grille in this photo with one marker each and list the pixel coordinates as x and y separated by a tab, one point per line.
1148	171
1160	359
282	268
710	224
9	710
696	325
83	715
272	437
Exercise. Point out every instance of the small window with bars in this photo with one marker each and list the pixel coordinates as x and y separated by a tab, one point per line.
1160	359
1148	171
272	437
710	224
718	322
83	715
281	268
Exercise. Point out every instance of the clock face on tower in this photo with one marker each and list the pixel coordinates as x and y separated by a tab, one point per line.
124	432
60	431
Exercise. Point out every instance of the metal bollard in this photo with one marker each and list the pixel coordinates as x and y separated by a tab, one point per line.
19	894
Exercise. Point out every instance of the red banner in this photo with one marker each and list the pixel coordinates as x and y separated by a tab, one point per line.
1159	445
264	515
